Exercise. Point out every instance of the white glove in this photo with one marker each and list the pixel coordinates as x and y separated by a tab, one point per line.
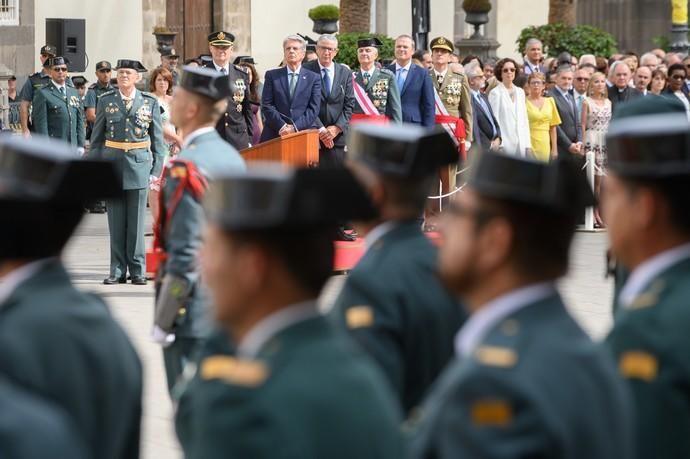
468	145
159	336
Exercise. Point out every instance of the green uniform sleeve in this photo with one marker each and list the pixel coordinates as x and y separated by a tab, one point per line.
394	105
91	98
27	92
98	133
158	148
39	115
81	125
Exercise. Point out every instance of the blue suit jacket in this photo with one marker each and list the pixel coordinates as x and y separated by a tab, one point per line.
277	108
417	96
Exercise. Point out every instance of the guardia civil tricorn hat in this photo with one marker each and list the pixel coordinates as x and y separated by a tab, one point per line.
130	64
371	41
206	82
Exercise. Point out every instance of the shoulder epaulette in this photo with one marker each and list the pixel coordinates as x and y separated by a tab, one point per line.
107	93
234	371
148	94
385	71
93	86
241	69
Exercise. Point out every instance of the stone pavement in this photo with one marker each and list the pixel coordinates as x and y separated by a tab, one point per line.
87	258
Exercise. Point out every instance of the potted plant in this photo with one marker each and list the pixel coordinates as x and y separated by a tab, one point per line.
477	14
164	38
325	18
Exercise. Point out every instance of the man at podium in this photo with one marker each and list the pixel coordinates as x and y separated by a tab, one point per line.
292	96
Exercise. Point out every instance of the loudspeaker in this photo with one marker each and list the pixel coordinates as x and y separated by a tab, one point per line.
69	37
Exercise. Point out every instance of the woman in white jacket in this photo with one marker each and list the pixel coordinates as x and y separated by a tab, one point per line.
508	103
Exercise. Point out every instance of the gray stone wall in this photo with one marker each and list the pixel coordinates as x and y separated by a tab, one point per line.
153	14
235	16
17	47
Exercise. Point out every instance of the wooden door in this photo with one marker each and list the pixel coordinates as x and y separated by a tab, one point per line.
193	22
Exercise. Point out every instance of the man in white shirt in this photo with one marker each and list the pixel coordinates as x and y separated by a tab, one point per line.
534	56
642	78
648	220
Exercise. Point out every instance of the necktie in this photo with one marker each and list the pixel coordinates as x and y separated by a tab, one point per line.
439	79
580	100
326	82
293	83
365	78
482	104
128	103
401	78
223	71
62	91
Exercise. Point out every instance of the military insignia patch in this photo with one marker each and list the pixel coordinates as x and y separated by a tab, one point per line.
248	373
359	317
178	172
638	365
491	412
74	101
221	36
494	356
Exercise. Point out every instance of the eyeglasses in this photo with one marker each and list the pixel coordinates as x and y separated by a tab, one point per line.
60	69
536	83
508	69
582	79
325	48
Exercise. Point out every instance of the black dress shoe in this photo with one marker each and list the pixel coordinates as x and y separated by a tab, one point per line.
341	235
139	280
114	280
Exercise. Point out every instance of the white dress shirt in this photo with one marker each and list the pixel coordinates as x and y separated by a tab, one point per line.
405	74
219	68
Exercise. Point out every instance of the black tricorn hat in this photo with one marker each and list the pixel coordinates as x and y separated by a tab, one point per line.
371	41
560	186
649	137
206	82
79	81
276	198
130	64
239	60
41	170
402	151
57	60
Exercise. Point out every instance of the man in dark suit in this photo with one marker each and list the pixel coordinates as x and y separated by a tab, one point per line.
621	91
292	97
487	132
414	83
569	132
236	124
337	101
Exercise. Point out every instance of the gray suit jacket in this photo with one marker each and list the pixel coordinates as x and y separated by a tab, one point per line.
570	129
336	107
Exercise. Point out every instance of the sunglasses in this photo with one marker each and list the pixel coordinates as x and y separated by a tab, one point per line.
582	79
508	69
60	69
678	77
105	71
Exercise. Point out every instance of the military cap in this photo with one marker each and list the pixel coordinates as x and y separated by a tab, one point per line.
559	186
442	43
205	58
57	60
41	170
49	50
79	81
130	64
206	82
402	151
239	60
649	137
170	53
221	39
278	198
103	65
371	41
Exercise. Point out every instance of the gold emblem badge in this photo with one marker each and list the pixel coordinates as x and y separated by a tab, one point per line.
638	365
234	371
359	317
441	41
491	413
494	356
221	36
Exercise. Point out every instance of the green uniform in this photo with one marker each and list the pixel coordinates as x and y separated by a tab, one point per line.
140	124
182	240
394	305
64	346
94	94
383	92
35	82
534	385
302	392
649	341
31	428
59	116
454	92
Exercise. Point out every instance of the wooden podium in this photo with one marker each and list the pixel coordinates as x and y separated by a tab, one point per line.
300	149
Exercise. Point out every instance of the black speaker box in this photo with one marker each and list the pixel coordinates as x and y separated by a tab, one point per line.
69	37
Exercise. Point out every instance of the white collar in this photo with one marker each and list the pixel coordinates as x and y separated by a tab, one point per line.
330	69
134	95
563	93
378	232
59	86
9	282
218	67
370	71
297	70
580	94
643	275
271	325
482	321
406	67
196	133
443	74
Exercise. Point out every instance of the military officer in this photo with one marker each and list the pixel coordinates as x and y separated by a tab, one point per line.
453	91
57	108
527	381
197	104
648	220
96	90
392	302
236	124
56	342
128	131
36	81
169	60
290	386
379	84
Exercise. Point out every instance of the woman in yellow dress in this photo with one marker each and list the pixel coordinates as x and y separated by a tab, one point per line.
543	118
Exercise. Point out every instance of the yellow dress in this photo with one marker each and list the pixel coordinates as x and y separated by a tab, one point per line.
540	121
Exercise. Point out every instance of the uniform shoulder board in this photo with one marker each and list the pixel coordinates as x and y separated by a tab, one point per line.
241	69
231	370
148	95
107	93
385	71
361	316
495	356
93	86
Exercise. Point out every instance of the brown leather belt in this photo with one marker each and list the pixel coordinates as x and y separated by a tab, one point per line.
126	146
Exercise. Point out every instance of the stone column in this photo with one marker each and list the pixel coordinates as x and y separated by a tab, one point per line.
154	14
5	74
235	16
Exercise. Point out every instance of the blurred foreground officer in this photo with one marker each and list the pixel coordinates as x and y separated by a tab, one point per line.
293	387
55	341
527	381
198	102
392	302
57	108
128	132
31	428
648	213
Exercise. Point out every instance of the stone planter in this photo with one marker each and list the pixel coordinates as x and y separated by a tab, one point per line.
477	19
322	26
